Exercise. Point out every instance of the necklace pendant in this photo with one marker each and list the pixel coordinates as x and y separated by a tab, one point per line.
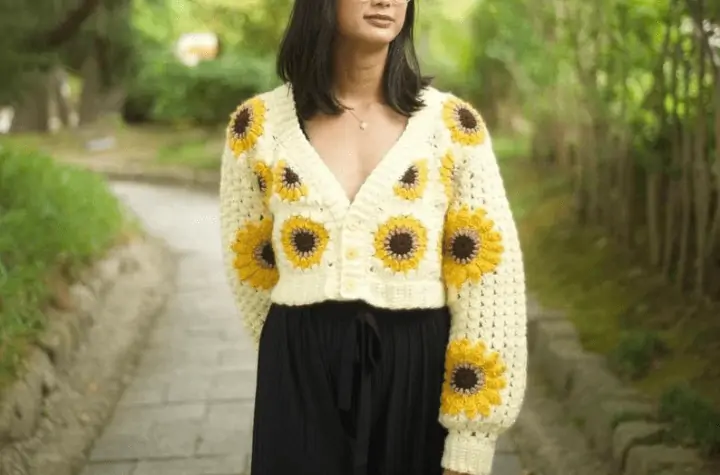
363	125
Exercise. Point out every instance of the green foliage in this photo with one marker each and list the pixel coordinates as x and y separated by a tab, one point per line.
168	91
636	352
692	418
21	23
54	219
251	24
105	33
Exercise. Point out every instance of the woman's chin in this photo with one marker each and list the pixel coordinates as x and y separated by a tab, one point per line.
378	39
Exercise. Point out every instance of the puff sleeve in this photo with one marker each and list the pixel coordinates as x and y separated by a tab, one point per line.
245	221
486	359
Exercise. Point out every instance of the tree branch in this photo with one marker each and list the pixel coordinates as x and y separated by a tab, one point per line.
67	28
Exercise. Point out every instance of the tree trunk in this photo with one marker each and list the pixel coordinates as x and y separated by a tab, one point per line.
96	101
32	110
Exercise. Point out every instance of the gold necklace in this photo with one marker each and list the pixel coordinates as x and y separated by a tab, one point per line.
363	125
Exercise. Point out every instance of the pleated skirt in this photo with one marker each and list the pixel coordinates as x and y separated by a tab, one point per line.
347	389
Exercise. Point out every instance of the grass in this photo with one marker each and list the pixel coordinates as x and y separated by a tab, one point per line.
55	220
197	153
663	342
149	145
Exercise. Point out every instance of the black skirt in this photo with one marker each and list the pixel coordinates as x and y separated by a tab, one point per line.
348	389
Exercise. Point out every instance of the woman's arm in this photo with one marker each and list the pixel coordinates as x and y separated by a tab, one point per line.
486	358
246	223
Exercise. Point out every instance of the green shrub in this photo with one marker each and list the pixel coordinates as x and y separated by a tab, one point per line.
53	219
167	91
636	352
692	419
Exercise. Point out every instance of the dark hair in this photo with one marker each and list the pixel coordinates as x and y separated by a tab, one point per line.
305	60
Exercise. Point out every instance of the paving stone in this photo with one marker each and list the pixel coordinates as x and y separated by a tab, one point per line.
599	423
168	439
189	388
630	434
651	459
142	392
506	464
505	444
222	465
139	420
121	468
200	354
233	385
227	430
243	358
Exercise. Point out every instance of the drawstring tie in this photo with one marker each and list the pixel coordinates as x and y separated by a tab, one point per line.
361	351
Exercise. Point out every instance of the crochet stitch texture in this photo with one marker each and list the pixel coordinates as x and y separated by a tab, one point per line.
431	226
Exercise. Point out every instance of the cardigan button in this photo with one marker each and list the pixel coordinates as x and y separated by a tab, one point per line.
351	254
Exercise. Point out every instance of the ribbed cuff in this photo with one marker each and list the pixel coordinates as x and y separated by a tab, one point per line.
469	452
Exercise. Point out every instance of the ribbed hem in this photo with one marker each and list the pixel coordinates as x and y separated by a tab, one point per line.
469	452
382	294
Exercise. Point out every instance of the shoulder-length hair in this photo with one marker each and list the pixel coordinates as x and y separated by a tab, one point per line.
305	60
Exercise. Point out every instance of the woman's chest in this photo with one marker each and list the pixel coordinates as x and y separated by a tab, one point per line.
352	155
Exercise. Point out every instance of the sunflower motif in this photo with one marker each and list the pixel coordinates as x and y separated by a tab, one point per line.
471	247
254	255
304	241
473	379
400	243
247	124
263	175
412	183
287	182
465	124
447	173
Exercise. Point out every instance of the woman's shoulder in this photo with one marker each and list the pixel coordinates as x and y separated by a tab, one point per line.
258	105
251	120
268	97
445	100
462	121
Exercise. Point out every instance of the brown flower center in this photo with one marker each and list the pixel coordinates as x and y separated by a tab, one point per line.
467	378
267	255
242	121
304	241
467	118
401	243
463	247
290	178
410	176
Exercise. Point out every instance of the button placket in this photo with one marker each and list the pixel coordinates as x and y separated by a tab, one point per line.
350	276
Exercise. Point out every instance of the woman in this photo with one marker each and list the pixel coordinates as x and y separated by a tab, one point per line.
373	256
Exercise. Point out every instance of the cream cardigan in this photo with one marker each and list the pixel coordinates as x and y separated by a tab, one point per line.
431	226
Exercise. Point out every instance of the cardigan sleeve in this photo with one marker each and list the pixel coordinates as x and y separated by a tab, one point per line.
486	359
245	220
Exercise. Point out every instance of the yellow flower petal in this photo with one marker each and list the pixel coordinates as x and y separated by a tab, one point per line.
304	241
400	243
471	246
472	380
254	258
246	126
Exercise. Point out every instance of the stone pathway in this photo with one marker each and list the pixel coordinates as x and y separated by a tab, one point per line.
189	409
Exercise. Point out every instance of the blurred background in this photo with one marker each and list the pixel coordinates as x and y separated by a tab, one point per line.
605	116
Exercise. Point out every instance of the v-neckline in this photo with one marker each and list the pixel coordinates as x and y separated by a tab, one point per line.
390	164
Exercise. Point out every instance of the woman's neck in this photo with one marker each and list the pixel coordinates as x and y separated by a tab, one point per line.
358	74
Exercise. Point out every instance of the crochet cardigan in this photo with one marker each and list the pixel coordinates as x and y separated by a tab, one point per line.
431	226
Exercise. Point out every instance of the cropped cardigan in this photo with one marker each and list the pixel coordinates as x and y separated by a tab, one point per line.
431	226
